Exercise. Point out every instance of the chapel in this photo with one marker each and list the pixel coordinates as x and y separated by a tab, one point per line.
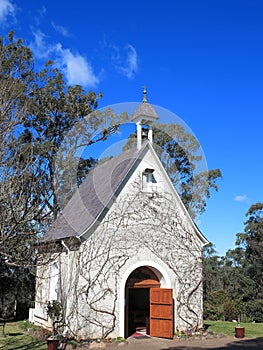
126	255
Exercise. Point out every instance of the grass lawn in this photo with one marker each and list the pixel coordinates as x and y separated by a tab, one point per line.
17	338
252	330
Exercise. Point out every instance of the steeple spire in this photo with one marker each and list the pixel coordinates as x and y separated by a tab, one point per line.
144	94
145	115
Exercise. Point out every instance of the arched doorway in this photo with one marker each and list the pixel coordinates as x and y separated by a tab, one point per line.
137	296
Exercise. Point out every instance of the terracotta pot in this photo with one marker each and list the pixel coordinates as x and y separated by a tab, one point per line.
240	332
52	344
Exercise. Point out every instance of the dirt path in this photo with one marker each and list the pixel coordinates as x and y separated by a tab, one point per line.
225	343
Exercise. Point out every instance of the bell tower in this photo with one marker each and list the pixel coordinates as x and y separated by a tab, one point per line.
144	116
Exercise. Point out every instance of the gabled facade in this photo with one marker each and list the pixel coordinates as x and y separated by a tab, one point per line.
128	255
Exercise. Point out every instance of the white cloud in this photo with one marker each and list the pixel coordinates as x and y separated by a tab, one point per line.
76	68
40	47
60	29
132	62
7	9
125	60
241	198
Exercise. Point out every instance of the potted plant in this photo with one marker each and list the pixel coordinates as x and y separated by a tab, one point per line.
239	331
54	311
239	308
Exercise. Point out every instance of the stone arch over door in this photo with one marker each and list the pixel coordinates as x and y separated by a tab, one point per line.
141	275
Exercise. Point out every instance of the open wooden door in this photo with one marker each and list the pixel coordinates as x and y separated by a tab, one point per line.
161	313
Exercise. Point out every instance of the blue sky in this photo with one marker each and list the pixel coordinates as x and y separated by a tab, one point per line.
202	60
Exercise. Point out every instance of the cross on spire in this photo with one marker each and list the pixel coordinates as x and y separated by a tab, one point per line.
144	94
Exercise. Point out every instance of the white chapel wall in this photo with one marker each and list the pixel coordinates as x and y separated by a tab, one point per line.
138	228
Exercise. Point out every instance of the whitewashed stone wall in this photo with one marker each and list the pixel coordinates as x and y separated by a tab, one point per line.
140	227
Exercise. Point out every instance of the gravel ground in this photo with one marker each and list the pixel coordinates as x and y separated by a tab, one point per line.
219	343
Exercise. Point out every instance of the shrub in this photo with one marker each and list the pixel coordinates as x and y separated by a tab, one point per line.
54	309
254	310
214	308
229	312
26	324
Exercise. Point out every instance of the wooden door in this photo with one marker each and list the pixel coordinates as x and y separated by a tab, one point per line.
161	313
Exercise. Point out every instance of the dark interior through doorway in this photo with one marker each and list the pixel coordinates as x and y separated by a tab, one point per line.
137	296
139	309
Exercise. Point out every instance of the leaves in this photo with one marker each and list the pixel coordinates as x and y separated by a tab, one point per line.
240	272
54	309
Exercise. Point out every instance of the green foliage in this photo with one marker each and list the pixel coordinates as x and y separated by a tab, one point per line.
73	343
16	290
38	111
252	242
239	307
229	312
239	273
26	324
54	309
217	305
254	310
55	312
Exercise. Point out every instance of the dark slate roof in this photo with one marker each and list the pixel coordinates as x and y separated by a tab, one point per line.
93	196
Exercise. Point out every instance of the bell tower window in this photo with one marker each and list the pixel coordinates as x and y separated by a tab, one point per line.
148	180
144	117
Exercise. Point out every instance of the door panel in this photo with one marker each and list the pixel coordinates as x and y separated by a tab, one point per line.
161	313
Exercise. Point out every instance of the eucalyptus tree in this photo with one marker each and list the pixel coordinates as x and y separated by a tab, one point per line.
251	241
37	110
238	273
